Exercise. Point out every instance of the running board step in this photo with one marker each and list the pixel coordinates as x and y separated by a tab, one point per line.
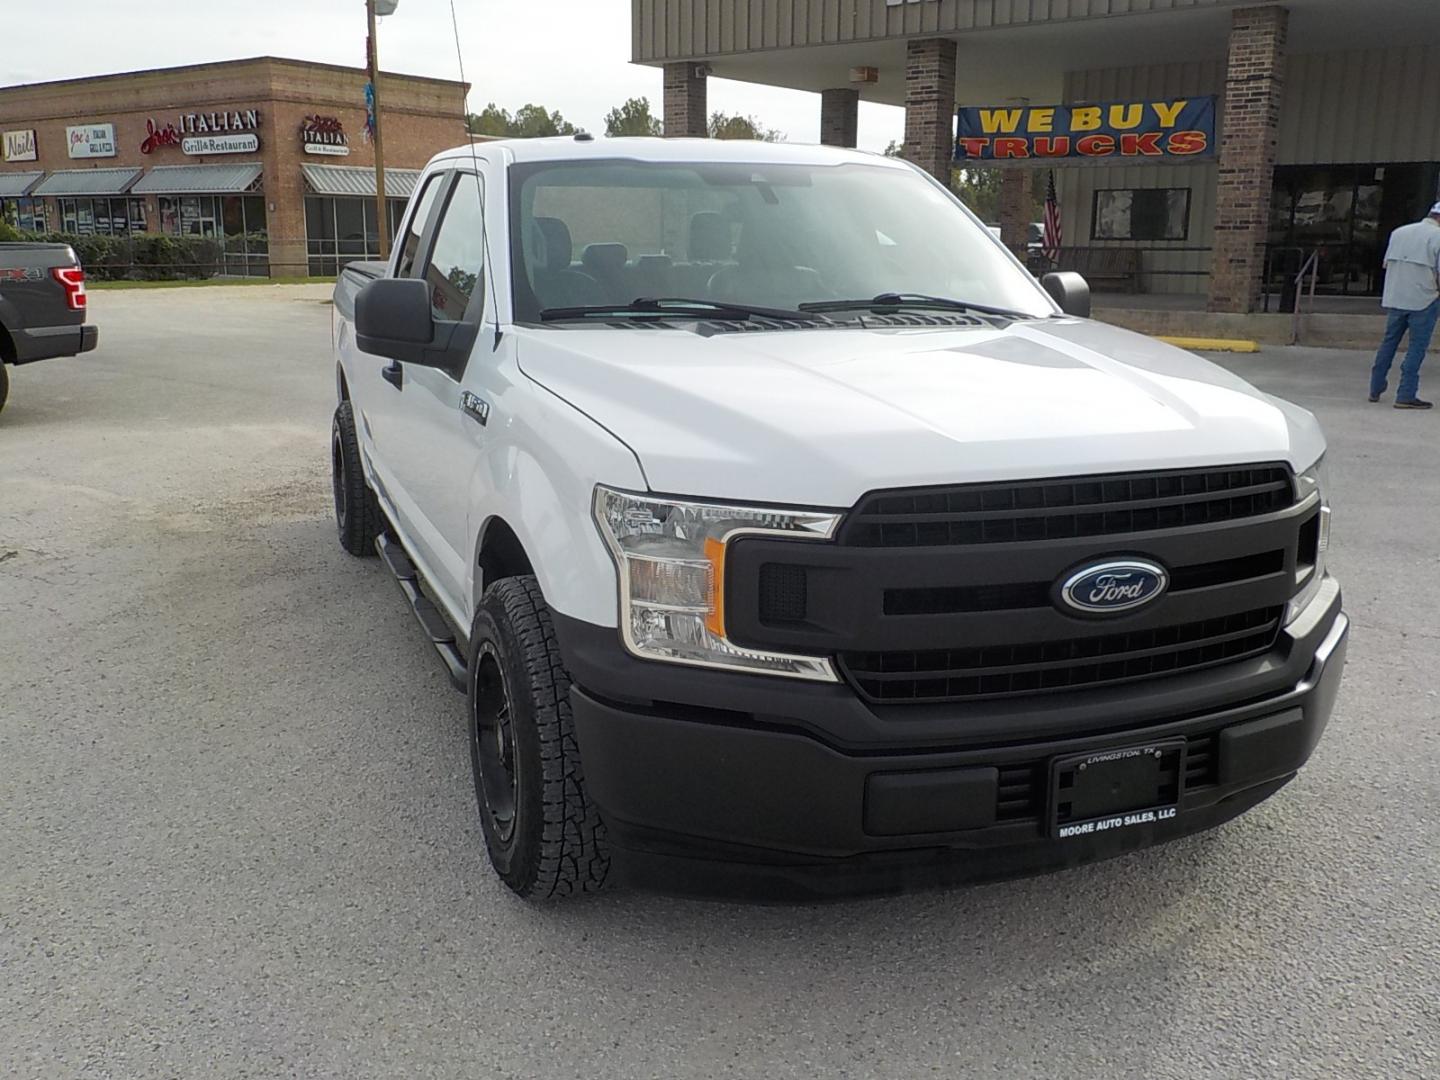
432	620
395	558
435	624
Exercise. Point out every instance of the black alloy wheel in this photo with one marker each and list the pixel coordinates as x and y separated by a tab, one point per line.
357	513
544	836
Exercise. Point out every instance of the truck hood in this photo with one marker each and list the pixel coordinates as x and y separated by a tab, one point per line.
819	417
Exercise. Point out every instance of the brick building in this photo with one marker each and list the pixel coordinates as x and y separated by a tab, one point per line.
1325	132
267	155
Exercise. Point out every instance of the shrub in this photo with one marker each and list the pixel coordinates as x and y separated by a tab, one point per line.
9	234
143	256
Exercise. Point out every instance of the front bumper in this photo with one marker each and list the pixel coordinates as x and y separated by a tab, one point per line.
724	792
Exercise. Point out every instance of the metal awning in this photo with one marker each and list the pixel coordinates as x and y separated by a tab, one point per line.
357	180
198	179
88	182
16	184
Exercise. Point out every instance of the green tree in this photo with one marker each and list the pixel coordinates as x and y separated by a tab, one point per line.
979	189
529	122
723	126
533	122
632	118
493	120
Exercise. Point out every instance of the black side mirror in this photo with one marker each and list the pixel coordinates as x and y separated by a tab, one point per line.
1068	289
393	318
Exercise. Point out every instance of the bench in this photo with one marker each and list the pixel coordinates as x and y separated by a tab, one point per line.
1104	265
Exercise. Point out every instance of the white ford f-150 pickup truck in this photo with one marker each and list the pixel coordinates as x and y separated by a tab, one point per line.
786	534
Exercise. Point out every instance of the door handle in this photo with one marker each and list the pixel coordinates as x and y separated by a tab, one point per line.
394	375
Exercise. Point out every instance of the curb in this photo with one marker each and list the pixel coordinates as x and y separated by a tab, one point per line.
1198	344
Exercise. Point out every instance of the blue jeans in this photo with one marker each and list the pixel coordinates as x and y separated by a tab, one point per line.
1421	325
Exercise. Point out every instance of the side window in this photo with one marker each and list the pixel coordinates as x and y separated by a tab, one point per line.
457	260
424	202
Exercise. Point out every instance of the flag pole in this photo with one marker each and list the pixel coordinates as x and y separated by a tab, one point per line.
381	217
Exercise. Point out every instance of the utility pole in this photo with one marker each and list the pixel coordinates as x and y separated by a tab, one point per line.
382	223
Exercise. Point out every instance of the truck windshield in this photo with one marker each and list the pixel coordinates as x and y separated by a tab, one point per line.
777	236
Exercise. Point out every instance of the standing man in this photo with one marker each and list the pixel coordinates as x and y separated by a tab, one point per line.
1412	297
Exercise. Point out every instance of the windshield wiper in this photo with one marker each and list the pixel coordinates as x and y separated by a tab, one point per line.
676	307
892	301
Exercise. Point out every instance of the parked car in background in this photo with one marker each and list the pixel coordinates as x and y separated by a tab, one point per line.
42	306
783	530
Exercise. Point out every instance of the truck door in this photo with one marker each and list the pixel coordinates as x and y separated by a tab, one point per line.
374	396
430	447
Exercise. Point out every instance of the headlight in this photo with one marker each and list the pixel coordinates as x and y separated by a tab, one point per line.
1311	484
670	556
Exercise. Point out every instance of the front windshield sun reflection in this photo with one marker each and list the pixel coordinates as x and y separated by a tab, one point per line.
772	237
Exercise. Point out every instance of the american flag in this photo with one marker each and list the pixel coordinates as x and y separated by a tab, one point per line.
1054	234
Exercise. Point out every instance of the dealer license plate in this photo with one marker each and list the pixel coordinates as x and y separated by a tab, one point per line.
1105	790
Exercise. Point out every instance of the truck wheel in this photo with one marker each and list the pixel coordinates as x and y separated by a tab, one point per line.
544	836
357	514
4	385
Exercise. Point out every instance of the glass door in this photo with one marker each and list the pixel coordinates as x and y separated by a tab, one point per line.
1345	213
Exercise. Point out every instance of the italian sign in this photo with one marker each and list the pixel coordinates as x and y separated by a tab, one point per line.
91	140
1131	130
228	132
20	145
324	135
220	144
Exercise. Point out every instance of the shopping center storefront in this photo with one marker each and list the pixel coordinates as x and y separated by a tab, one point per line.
340	213
1322	134
268	159
222	202
18	207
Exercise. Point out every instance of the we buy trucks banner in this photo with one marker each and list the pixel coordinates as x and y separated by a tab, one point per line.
1124	130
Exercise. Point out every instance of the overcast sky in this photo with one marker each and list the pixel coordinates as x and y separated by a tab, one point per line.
571	55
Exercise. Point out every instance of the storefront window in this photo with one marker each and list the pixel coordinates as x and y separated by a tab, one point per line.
1141	214
28	215
238	221
102	217
1344	214
247	240
342	230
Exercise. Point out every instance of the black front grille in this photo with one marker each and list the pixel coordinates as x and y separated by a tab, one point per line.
993	671
1075	507
1020	795
783	597
952	599
1202	761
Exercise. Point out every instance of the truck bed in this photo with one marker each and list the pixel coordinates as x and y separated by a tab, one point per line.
354	277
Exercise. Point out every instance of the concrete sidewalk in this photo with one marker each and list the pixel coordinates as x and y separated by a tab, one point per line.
1358	323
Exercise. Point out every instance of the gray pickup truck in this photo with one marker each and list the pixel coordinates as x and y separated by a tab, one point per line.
42	306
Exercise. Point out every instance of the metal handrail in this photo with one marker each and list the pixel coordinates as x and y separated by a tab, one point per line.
1273	253
1311	266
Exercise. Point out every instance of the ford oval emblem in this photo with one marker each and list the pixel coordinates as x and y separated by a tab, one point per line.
1109	588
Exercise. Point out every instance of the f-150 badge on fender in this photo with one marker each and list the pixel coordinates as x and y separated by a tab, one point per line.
1111	587
475	407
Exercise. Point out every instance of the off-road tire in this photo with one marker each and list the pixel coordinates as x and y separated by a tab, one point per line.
554	843
357	513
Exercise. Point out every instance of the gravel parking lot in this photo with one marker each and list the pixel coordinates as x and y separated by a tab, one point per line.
238	836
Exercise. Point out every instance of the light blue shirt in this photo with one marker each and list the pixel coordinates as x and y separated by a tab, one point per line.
1412	267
